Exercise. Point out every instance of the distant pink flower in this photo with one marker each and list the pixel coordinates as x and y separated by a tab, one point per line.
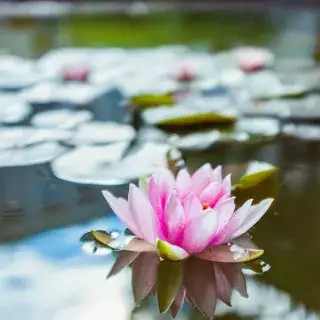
190	213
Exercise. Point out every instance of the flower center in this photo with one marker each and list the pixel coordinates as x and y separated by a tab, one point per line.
205	206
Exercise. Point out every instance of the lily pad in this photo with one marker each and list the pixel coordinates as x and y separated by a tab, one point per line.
98	132
152	100
257	186
107	165
306	132
123	242
63	118
169	279
13	110
183	117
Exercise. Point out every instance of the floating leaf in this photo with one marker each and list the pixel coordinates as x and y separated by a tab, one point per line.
230	253
170	252
152	100
125	242
169	279
257	186
197	119
102	237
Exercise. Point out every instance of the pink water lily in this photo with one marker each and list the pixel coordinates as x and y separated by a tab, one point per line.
189	213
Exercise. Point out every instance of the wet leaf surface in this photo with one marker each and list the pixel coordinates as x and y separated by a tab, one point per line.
230	254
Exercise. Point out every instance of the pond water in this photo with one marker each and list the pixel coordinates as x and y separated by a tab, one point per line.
50	276
46	274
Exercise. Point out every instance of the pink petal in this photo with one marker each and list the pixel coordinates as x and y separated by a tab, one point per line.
233	224
174	219
225	210
210	194
143	214
200	231
166	175
144	275
227	185
154	196
200	284
158	194
192	207
254	214
121	208
202	178
217	174
183	181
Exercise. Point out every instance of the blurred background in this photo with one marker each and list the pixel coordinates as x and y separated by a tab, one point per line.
95	94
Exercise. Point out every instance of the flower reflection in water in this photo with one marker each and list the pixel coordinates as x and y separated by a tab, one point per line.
199	282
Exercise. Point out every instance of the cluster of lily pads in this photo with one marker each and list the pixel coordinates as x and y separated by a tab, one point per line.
118	112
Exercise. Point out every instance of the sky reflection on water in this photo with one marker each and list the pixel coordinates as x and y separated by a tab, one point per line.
49	276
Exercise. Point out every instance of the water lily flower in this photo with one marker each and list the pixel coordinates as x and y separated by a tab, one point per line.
252	59
188	215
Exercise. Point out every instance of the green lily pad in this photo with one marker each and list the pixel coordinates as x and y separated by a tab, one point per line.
169	279
102	237
170	252
152	100
204	118
257	186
